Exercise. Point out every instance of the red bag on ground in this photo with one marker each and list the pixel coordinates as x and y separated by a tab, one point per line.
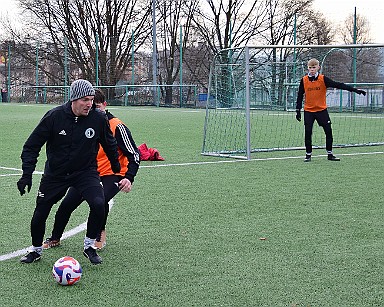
151	154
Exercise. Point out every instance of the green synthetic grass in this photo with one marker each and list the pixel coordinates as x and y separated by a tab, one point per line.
250	233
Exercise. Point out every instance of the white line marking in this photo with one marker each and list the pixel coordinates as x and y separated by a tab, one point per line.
66	235
256	159
7	175
14	254
10	168
229	161
18	169
83	226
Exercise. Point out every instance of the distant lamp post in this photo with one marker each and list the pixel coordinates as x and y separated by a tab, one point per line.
181	66
154	54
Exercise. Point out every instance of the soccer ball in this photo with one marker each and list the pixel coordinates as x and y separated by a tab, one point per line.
67	271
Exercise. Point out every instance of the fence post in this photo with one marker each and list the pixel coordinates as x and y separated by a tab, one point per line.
247	104
181	66
66	94
133	57
9	74
37	74
126	96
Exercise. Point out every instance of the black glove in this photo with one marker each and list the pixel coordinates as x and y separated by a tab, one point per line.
116	168
24	181
361	92
298	115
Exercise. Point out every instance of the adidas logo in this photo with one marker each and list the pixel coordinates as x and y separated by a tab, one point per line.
62	132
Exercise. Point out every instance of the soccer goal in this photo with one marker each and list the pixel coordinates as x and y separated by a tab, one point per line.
252	96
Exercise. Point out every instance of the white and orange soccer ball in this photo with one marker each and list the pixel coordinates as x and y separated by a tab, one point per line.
67	271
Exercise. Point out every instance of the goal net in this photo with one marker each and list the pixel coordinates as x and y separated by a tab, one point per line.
252	96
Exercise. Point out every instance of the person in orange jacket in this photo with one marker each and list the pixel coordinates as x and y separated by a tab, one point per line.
314	85
129	158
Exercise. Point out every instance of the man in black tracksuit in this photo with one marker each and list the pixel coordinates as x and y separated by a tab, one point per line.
129	157
72	133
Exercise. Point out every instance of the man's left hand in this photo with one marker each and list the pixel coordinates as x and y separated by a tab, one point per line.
361	92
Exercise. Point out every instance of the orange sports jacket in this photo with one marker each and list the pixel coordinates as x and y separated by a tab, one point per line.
315	94
104	167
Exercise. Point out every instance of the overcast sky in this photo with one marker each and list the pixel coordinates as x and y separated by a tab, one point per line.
335	10
338	10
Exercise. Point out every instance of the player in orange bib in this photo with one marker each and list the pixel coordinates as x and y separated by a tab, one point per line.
314	86
129	158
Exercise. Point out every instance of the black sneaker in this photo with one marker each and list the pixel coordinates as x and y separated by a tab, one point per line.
91	254
307	158
333	158
30	257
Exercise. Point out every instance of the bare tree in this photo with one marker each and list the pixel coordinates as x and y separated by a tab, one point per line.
228	24
175	17
76	31
197	63
362	62
360	28
320	31
224	24
290	22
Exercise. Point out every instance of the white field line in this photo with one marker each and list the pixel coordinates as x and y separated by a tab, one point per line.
66	234
83	226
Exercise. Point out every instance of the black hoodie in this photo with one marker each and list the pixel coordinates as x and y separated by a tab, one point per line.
72	142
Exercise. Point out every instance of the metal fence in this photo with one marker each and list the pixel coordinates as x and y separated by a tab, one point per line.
122	95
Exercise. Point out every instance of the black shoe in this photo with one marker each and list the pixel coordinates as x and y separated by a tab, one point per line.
333	158
307	158
30	257
91	254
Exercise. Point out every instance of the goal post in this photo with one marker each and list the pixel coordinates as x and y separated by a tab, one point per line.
253	89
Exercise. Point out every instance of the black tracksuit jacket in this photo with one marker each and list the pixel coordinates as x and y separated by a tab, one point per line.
72	142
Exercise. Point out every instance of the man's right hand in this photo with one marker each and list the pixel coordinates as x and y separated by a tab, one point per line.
298	115
24	181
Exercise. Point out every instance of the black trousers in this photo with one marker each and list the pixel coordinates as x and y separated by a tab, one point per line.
323	119
74	198
52	189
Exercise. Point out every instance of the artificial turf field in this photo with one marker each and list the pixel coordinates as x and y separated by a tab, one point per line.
203	231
